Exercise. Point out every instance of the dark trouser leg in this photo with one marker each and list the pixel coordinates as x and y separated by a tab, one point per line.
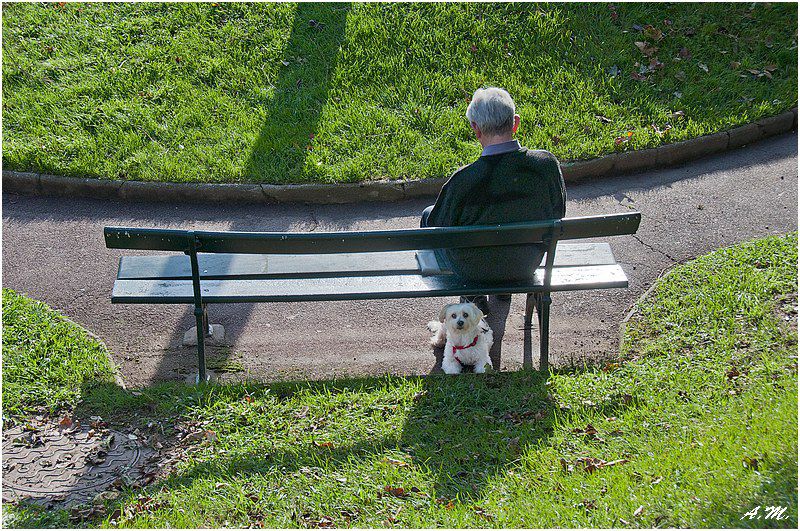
481	301
423	223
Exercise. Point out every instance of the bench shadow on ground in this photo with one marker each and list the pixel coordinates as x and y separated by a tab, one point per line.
461	430
458	433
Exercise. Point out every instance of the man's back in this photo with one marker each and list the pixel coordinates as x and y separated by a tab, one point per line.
521	185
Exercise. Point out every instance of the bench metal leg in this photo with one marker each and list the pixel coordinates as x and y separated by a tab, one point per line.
202	327
543	311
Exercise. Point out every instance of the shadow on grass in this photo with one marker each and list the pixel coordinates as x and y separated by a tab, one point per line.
461	430
300	94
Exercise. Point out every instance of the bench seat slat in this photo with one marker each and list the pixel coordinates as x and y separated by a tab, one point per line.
221	266
353	287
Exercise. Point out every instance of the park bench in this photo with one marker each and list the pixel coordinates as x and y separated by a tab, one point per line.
229	267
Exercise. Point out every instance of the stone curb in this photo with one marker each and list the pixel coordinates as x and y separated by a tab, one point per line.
28	183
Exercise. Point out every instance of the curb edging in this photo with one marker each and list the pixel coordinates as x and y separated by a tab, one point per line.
31	183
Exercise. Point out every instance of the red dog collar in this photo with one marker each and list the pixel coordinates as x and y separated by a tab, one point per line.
456	347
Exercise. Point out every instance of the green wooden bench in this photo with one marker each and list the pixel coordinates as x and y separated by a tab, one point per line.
226	267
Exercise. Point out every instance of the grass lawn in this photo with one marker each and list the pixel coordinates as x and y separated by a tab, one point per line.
47	360
694	427
279	93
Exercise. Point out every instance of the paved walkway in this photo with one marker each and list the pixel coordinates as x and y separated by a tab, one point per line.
53	250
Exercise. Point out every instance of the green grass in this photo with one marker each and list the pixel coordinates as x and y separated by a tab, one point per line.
47	361
279	93
496	450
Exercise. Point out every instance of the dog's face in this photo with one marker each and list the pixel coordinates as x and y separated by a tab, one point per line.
460	317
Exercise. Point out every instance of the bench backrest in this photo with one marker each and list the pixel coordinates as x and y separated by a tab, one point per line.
371	241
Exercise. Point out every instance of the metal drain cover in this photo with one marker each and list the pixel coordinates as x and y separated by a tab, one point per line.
52	466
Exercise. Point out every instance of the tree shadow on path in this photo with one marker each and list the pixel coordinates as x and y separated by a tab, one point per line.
300	94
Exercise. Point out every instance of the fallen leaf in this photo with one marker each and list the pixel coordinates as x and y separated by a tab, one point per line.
750	462
659	131
326	444
480	511
656	480
395	462
210	435
66	422
638	511
556	139
646	49
771	68
194	437
676	114
684	53
613	71
602	119
397	492
653	32
703	67
473	48
221	485
325	522
302	413
735	65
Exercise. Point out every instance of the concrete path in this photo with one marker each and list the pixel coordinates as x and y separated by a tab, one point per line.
53	250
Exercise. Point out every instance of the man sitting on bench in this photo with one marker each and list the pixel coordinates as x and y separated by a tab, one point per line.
508	183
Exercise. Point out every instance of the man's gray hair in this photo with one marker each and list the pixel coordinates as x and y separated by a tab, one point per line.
492	110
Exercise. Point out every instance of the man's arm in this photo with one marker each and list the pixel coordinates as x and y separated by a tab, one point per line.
445	208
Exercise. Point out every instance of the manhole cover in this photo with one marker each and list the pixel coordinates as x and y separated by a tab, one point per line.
49	465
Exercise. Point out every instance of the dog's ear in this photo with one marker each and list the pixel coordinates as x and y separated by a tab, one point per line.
443	313
477	314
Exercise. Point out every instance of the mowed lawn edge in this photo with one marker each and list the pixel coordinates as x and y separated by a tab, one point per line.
695	426
279	93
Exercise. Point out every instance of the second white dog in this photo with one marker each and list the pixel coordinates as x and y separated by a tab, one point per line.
465	335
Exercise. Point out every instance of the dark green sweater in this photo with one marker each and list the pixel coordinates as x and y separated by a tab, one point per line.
522	185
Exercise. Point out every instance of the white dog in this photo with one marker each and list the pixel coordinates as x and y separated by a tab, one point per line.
465	335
